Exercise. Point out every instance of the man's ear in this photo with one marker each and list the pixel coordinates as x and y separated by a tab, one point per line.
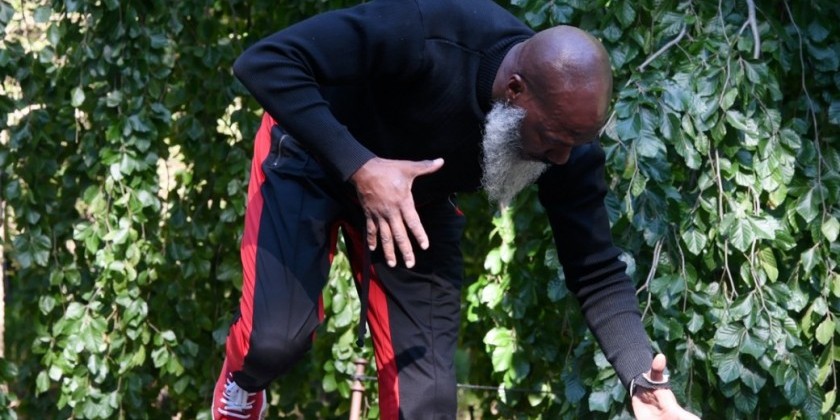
515	87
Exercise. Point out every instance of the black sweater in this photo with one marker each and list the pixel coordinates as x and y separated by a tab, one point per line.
412	79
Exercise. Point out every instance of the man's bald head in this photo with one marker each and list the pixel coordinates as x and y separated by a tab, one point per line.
564	58
562	79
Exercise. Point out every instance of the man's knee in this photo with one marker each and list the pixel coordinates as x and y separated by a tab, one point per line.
271	356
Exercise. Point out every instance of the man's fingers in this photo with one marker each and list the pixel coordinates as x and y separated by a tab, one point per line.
415	226
387	242
371	233
401	240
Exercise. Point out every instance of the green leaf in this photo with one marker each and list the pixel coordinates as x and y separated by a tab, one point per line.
817	32
790	138
694	240
834	282
160	356
696	323
753	346
649	146
795	387
501	358
557	289
625	14
728	99
498	337
46	303
825	331
600	401
742	307
113	99
768	263
741	234
493	262
752	380
77	97
74	311
42	382
737	120
834	112
808	206
573	387
729	368
42	14
830	229
810	259
828	404
728	336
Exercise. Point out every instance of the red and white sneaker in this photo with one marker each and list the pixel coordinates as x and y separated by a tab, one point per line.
232	402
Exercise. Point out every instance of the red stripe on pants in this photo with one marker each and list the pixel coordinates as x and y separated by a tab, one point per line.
237	343
380	329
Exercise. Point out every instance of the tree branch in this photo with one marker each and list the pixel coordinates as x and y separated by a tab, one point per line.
753	28
664	48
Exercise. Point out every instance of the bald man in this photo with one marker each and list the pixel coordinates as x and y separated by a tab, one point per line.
376	116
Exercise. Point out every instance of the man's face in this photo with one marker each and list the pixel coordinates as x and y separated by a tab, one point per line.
553	126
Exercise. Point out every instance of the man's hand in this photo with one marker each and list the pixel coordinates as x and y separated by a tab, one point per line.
384	188
658	403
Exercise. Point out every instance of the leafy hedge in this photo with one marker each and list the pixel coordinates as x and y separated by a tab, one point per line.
123	171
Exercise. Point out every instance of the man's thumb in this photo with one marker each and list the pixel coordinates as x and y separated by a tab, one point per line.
428	166
658	368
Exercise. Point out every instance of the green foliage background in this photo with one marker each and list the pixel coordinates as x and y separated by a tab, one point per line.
123	168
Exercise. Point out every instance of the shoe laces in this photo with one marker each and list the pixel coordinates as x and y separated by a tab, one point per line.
236	401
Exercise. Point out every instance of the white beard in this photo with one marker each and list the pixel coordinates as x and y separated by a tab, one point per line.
505	169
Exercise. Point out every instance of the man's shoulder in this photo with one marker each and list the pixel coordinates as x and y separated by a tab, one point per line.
459	19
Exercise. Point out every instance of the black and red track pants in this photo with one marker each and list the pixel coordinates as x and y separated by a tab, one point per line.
293	216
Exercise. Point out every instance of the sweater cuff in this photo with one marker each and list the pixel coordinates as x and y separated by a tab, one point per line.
625	345
344	153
